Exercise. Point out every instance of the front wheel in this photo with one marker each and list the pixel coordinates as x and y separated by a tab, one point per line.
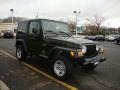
20	53
62	67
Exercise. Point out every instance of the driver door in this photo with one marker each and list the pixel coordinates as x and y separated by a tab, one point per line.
35	38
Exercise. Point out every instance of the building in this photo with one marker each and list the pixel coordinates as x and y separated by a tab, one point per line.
80	30
7	26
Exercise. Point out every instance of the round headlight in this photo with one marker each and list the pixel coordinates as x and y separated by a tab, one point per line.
97	48
84	49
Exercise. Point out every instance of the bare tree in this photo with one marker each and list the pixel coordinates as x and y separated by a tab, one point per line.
72	25
90	29
96	21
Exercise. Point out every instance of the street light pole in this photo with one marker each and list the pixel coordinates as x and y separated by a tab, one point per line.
76	14
12	13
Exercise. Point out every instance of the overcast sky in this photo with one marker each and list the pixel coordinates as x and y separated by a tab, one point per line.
63	9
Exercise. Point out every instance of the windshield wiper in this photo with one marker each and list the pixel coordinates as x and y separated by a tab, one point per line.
50	31
65	33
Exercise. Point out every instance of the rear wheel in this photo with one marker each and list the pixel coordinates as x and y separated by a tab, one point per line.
62	67
20	53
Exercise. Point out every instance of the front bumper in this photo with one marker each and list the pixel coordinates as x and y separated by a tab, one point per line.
94	60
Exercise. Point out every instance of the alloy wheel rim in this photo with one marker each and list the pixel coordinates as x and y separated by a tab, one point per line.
19	52
59	68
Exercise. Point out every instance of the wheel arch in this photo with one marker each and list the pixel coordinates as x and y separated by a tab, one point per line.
21	42
58	51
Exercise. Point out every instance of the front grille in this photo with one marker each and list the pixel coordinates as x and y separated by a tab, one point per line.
91	51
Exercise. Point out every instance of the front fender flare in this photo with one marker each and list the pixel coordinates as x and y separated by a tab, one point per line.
58	50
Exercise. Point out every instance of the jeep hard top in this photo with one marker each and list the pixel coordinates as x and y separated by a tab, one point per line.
53	41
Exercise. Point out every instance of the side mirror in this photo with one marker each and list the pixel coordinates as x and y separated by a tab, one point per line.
34	30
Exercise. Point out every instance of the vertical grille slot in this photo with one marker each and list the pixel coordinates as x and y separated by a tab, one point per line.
91	50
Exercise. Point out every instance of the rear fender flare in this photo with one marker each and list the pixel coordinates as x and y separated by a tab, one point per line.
22	42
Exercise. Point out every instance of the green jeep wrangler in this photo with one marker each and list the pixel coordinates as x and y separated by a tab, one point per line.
53	41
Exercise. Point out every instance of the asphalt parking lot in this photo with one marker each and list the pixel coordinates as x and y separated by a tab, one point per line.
19	77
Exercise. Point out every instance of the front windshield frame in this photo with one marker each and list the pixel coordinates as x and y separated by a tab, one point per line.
56	29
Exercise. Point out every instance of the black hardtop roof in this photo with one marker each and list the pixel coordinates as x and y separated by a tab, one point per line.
42	19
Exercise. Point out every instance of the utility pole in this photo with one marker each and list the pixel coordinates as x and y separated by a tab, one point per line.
76	14
12	26
12	10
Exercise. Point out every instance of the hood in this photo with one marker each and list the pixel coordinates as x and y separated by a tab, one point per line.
79	40
70	42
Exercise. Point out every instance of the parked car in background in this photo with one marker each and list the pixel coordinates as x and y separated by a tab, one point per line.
14	34
117	40
115	36
93	38
8	34
109	38
79	36
100	38
1	34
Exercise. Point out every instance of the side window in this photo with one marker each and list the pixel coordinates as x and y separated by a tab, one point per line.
22	27
34	28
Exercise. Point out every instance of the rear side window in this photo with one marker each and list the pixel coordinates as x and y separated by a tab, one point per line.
22	27
34	25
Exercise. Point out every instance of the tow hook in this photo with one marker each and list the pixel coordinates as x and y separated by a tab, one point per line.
103	59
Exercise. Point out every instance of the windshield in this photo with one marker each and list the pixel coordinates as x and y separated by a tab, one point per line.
54	27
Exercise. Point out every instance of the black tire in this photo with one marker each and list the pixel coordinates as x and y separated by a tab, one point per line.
68	67
22	55
89	66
